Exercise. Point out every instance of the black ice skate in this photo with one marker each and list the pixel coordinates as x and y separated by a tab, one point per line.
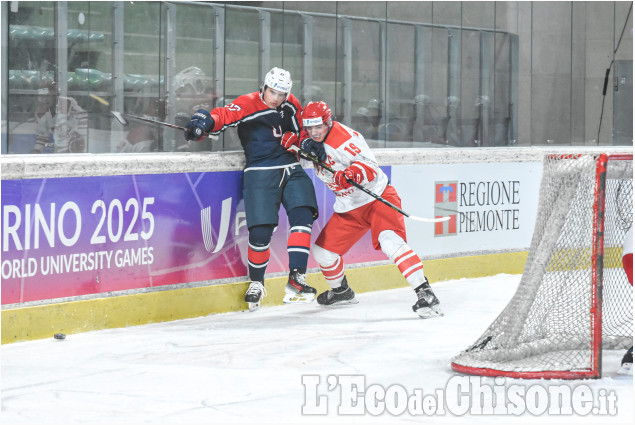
342	295
627	363
427	305
254	294
297	291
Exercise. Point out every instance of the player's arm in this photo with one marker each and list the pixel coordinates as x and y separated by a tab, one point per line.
200	123
215	121
290	141
362	170
296	119
232	113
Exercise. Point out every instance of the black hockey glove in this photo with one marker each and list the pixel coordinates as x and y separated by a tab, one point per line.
314	148
200	123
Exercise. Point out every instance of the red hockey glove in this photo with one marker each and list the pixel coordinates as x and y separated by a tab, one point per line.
353	173
290	139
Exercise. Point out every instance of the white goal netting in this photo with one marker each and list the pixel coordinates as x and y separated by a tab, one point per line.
574	296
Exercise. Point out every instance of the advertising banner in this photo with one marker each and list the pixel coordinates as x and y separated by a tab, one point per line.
64	237
492	206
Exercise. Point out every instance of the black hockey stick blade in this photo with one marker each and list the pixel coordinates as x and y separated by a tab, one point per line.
123	120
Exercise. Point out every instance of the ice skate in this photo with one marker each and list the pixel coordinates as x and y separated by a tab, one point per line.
342	295
627	363
255	294
297	291
427	305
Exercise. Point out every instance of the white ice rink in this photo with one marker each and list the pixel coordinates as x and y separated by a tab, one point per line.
248	367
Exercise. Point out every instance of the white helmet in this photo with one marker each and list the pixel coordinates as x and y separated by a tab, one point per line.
278	79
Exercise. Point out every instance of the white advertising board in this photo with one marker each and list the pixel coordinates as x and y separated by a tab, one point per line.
492	206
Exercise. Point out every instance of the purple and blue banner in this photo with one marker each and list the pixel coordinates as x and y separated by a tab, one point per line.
65	237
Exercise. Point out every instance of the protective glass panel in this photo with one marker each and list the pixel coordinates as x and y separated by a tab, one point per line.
464	74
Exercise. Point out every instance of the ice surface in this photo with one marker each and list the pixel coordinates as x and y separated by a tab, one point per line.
247	367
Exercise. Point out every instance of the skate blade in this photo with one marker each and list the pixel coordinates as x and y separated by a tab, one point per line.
430	312
298	298
626	369
254	306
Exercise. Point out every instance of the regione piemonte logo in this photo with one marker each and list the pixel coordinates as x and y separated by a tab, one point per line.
445	204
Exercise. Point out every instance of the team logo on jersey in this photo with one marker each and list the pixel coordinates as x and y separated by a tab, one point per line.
278	132
281	113
445	204
233	107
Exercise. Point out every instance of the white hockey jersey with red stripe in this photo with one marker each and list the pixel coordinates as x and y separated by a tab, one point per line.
346	147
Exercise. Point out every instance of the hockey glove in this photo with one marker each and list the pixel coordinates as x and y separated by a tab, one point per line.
354	174
314	148
290	139
200	123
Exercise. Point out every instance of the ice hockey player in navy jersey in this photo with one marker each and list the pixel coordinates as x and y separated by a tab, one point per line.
271	176
356	212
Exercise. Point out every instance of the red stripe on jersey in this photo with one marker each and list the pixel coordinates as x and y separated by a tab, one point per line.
299	239
258	257
337	136
370	172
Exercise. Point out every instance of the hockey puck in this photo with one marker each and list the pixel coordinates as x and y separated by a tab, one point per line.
59	336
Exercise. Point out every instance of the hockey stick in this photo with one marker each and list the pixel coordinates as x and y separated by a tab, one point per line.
122	118
123	121
363	189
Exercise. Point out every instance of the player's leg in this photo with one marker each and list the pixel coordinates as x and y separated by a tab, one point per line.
298	247
258	257
340	292
298	199
627	261
338	236
627	363
262	197
389	232
627	255
409	265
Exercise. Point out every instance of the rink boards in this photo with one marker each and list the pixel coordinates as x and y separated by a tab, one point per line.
101	241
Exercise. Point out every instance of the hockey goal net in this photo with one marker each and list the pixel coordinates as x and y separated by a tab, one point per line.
574	297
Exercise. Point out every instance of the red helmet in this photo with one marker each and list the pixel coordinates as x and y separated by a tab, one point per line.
316	113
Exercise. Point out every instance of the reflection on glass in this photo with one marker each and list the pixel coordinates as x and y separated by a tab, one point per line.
407	74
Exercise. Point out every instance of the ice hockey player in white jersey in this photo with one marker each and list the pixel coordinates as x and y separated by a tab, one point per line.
356	212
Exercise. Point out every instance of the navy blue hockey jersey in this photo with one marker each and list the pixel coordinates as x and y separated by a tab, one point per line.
260	128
